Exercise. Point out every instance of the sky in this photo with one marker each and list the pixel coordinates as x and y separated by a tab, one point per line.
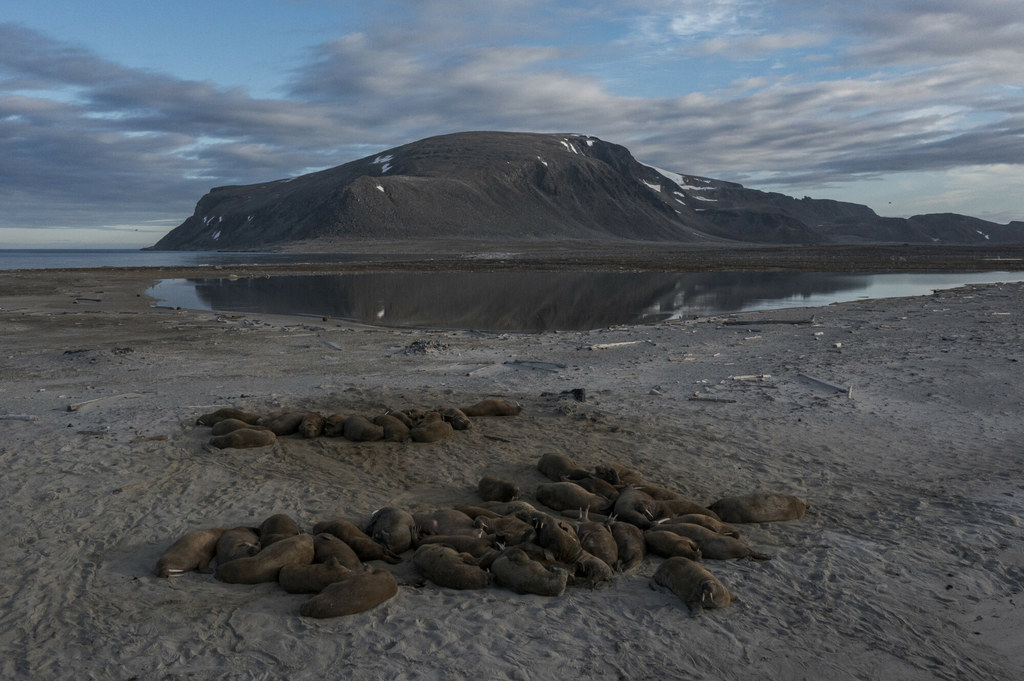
117	116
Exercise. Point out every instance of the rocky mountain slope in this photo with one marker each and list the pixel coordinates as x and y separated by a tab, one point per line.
530	186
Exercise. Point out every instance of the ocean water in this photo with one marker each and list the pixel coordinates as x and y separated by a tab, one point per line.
544	301
34	259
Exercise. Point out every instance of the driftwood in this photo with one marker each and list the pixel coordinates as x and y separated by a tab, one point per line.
825	384
78	405
605	346
721	400
534	364
758	322
18	417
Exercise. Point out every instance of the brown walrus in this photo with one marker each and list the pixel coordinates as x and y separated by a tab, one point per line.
264	566
194	551
636	507
284	423
361	543
509	507
515	570
457	418
277	527
597	539
244	438
361	429
563	495
493	488
697	587
713	546
509	530
591	571
227	413
353	593
395	429
463	543
713	524
238	542
312	578
559	467
334	425
669	544
433	428
617	474
228	425
393	528
674	507
446	567
492	407
598	486
327	547
445	521
631	545
761	507
312	424
559	538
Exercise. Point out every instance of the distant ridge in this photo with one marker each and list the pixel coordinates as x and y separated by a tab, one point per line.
531	186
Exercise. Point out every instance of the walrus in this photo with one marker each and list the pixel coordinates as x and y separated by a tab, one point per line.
492	488
334	425
563	495
244	438
457	418
584	514
194	551
477	511
277	527
591	571
559	467
312	578
598	486
361	429
395	430
353	593
226	426
509	507
227	413
597	539
657	492
515	570
445	521
265	565
284	423
617	474
760	507
239	542
713	524
404	417
631	545
509	530
431	429
312	424
713	546
446	567
492	407
559	538
674	507
697	587
361	543
637	507
669	544
463	543
393	528
327	547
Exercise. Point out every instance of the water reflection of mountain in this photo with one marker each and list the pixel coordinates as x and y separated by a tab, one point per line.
514	301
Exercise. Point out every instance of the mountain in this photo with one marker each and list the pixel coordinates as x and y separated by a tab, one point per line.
516	186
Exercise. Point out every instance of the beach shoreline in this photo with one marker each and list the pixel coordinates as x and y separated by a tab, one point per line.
907	565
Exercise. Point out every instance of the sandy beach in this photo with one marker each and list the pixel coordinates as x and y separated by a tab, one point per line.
907	565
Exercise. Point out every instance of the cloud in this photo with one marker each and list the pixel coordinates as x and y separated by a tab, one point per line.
896	86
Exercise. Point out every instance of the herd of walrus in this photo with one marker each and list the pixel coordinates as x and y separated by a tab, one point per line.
238	429
598	522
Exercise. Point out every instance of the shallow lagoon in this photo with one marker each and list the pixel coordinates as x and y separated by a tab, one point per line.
541	300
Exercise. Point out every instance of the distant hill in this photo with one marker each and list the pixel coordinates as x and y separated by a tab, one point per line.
530	186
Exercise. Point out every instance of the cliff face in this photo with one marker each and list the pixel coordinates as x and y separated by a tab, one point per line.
511	186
